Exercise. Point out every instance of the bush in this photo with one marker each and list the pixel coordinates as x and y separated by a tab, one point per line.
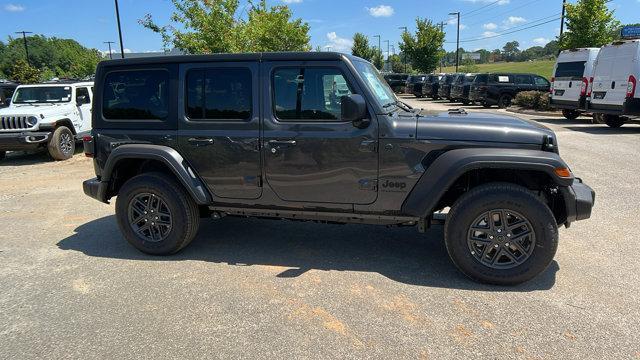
536	100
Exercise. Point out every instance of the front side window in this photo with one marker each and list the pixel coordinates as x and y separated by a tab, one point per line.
217	94
541	81
308	93
42	94
136	95
523	79
83	93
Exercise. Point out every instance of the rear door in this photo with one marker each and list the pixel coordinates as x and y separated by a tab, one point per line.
310	154
219	126
611	74
568	80
83	102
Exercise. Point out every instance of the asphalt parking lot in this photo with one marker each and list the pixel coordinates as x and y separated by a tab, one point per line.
71	287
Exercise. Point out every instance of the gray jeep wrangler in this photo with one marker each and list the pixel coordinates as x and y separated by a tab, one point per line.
321	137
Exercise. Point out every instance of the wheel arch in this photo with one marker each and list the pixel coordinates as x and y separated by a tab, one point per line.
60	122
129	160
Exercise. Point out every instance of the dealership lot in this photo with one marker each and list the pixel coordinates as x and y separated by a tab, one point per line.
72	287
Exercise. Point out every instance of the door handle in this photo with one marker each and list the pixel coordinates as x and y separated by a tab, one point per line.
200	141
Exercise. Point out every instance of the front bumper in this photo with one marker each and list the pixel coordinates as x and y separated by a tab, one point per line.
26	140
96	189
579	199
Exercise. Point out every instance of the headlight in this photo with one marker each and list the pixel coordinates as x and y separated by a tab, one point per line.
32	121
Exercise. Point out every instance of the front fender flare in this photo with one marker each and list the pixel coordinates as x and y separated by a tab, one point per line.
448	167
166	155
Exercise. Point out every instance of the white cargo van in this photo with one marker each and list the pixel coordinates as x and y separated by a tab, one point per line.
613	92
570	80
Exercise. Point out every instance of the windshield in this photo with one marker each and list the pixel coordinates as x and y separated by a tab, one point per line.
42	94
375	82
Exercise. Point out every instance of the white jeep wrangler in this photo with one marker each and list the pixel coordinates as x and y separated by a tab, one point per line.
55	115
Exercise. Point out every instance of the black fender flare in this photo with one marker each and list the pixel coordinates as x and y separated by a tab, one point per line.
169	157
448	167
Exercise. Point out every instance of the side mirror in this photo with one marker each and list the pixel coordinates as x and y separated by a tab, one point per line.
82	99
354	109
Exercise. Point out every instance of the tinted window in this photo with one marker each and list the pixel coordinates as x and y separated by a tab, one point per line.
570	69
523	79
309	93
219	94
469	78
83	92
136	95
499	78
541	81
482	78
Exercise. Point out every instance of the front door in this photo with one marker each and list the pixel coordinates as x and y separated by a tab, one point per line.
219	126
310	154
83	102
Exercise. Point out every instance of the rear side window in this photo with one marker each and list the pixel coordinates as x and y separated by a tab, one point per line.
482	78
573	69
219	94
136	95
502	78
523	79
308	93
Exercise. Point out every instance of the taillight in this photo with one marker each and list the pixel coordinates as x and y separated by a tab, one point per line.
590	87
87	141
631	86
551	86
583	86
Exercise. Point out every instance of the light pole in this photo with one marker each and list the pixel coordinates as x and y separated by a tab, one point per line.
109	42
379	44
404	53
119	30
26	47
457	40
564	5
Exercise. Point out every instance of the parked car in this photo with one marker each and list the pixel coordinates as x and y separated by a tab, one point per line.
6	92
397	82
614	92
570	82
178	138
53	116
500	88
431	85
444	86
414	84
460	88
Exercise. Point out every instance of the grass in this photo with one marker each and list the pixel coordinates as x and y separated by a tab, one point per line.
541	67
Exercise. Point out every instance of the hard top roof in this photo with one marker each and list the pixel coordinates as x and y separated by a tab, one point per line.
60	83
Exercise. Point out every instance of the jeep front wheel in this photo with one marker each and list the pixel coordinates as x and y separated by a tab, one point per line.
501	234
62	144
504	101
3	154
156	215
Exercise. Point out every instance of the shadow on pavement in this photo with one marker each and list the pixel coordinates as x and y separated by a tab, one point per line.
31	157
400	254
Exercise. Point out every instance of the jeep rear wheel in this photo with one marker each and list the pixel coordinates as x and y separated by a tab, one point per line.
501	234
62	144
156	215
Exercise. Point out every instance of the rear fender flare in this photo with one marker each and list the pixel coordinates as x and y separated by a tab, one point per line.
448	167
166	155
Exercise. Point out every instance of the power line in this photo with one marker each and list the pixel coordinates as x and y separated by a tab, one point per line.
503	13
521	25
507	32
471	13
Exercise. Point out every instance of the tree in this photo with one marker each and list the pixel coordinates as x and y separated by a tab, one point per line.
425	47
589	24
215	26
552	48
361	47
398	65
24	73
469	66
378	59
510	50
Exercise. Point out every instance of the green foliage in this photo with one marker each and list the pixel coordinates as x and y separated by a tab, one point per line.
589	23
216	26
540	67
398	65
510	50
50	56
469	66
24	73
378	59
535	100
424	49
361	47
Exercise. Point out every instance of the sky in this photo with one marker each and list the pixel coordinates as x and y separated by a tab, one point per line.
333	22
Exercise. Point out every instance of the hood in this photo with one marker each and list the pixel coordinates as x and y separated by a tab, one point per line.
481	127
37	109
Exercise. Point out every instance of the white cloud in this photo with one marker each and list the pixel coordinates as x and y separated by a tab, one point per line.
541	41
490	26
454	22
14	8
489	34
114	51
514	20
292	1
336	43
381	11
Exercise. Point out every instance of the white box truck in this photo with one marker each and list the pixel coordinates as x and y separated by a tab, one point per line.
570	81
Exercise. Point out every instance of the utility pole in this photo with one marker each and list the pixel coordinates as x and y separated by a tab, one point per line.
119	30
26	47
564	5
457	40
404	52
109	42
387	61
442	31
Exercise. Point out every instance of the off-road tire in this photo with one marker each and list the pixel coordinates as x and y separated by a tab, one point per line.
466	102
62	144
570	114
486	105
185	216
511	197
3	154
614	121
505	101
